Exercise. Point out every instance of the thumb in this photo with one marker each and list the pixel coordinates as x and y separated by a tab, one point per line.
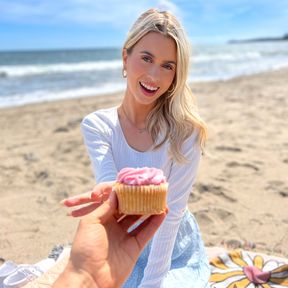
106	210
148	228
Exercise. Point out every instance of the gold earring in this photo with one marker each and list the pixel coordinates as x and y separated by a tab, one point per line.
124	73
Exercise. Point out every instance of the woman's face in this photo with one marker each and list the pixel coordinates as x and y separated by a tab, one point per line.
151	67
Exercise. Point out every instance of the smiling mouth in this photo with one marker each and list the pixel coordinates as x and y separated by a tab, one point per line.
148	88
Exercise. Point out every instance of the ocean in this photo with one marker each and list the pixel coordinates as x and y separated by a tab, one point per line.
37	76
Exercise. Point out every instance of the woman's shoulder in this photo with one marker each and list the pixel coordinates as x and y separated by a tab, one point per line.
103	114
192	138
101	119
192	142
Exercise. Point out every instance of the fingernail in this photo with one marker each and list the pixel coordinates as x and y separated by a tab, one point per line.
62	202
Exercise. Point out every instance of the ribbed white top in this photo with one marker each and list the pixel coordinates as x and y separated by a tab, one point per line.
109	153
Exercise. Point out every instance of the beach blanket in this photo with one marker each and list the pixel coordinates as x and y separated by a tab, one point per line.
229	269
244	269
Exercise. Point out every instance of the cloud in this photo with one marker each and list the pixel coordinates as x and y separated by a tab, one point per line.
11	10
167	5
199	17
84	12
171	7
78	11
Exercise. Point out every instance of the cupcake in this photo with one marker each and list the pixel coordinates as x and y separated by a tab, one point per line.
141	191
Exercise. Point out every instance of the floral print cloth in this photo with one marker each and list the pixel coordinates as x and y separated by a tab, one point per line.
242	269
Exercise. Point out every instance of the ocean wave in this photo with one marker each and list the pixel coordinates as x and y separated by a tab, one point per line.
22	84
33	70
242	69
226	57
40	70
44	95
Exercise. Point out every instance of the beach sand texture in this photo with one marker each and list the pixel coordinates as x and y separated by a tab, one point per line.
240	197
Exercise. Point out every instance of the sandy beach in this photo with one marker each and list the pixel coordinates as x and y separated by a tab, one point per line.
240	197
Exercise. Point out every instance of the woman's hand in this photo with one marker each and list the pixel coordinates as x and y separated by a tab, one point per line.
103	252
93	198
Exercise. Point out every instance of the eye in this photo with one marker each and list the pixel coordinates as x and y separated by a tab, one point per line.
146	59
169	67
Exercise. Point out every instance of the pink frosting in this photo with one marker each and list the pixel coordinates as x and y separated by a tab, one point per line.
141	176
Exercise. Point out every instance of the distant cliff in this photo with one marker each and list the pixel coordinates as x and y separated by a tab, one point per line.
284	38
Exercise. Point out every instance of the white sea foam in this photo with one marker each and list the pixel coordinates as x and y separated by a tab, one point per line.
42	95
32	70
238	56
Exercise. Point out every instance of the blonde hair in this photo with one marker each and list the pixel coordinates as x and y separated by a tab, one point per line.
176	110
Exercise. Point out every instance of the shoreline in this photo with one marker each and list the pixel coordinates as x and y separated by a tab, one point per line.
111	94
240	195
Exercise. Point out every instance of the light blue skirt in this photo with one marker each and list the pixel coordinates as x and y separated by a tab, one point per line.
189	267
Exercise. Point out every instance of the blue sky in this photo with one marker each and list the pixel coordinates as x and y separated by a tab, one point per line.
35	24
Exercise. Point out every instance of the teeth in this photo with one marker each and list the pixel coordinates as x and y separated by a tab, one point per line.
149	87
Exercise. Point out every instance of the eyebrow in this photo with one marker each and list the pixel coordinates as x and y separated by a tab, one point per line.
150	54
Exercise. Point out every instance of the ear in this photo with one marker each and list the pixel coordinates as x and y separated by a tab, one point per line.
124	57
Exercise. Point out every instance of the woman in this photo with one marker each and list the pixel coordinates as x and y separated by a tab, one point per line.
156	125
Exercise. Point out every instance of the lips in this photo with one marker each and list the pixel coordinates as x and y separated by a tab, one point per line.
148	89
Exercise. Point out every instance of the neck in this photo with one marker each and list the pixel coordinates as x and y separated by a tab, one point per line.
131	118
136	111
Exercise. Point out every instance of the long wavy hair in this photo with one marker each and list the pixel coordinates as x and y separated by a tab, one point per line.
175	111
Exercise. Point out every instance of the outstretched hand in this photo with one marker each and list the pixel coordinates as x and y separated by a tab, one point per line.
103	252
91	199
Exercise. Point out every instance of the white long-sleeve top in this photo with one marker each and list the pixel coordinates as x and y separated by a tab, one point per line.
109	153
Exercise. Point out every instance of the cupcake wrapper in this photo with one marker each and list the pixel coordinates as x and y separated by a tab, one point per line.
141	200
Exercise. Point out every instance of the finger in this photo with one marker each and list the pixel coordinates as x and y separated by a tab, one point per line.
84	210
107	210
147	229
99	194
106	190
143	222
128	221
80	199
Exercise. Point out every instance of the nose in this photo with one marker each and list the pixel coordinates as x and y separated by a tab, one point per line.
154	72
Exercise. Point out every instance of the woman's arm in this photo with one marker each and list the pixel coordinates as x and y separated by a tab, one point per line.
97	139
181	181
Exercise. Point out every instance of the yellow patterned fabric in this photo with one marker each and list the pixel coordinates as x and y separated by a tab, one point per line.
244	269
